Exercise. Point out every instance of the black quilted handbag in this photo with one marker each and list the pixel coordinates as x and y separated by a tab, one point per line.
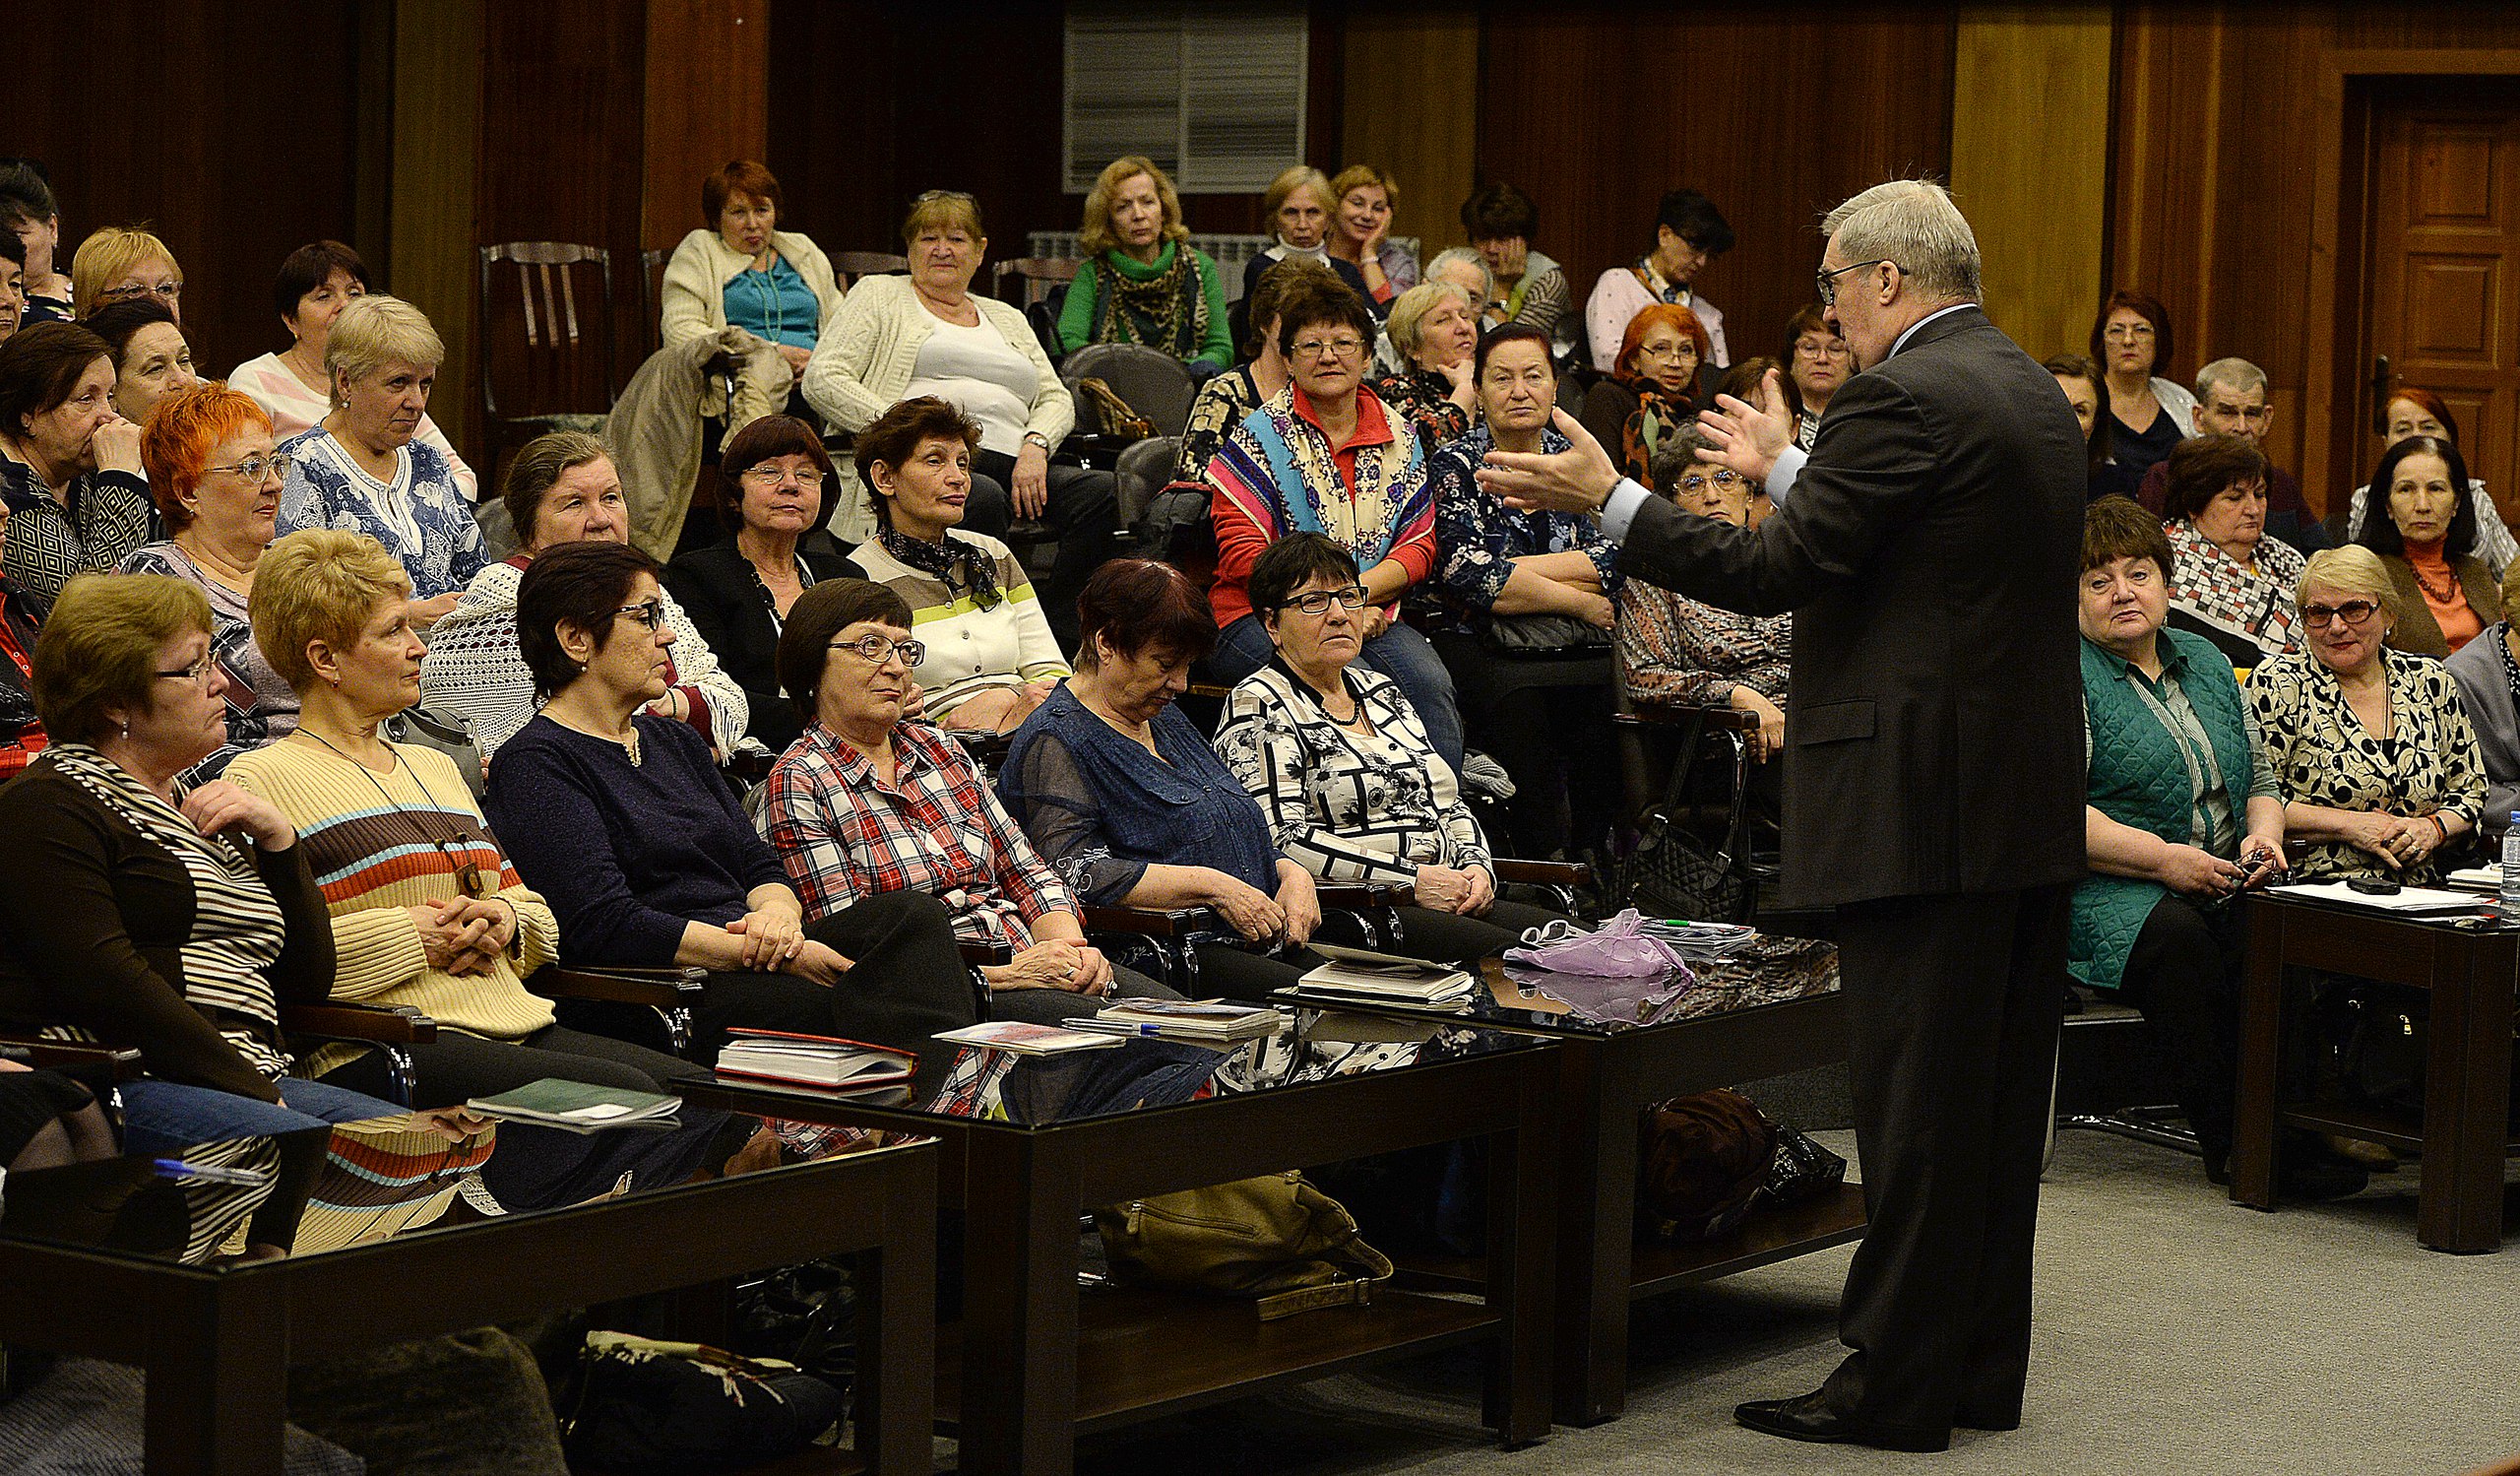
1675	874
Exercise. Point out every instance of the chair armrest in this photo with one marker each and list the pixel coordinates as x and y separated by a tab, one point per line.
657	988
1717	719
1543	872
981	955
34	1050
751	765
1357	896
383	1024
1150	921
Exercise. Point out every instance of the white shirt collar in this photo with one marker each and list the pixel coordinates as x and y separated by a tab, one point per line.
1900	342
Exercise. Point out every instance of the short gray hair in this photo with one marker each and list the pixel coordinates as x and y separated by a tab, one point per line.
375	331
1452	255
1674	453
2238	375
1913	224
1409	311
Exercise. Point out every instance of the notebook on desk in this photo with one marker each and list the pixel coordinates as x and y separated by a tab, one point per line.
2410	899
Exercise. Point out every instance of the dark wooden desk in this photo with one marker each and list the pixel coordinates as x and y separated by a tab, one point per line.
2463	1135
1034	1362
1607	1078
216	1342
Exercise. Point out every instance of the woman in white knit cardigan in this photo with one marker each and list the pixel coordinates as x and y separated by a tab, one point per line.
928	334
740	268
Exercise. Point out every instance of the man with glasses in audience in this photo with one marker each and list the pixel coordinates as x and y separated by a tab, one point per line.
2230	400
1927	545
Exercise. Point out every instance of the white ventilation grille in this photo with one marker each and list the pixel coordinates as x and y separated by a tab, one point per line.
1214	92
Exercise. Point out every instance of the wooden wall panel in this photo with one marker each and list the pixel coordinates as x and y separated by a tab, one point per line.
708	101
1595	113
434	112
2030	162
1408	110
230	130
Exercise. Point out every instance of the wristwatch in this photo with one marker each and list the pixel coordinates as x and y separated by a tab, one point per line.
1036	438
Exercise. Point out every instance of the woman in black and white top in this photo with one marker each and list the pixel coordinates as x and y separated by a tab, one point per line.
1342	766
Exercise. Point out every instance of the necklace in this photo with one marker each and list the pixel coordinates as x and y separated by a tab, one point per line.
629	741
2449	587
467	873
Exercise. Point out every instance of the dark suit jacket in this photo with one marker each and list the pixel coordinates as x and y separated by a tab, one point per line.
1934	728
732	613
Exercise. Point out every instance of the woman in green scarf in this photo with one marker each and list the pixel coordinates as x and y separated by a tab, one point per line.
1143	281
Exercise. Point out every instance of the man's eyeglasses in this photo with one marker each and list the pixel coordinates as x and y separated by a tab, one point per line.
255	468
2352	612
169	290
878	648
647	613
1828	277
1695	484
1316	349
1318	601
198	672
809	479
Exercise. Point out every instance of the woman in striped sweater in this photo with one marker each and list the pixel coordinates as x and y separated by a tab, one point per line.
425	909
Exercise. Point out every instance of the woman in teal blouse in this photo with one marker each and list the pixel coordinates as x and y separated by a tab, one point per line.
1143	281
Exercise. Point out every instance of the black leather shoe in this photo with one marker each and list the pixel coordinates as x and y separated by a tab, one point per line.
1809	1418
1987	1419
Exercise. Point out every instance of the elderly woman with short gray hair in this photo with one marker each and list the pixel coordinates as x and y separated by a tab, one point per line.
1434	328
360	468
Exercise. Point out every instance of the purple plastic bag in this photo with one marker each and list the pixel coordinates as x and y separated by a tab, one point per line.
1617	950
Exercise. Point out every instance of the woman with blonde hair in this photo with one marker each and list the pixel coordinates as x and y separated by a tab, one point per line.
118	263
1434	328
1297	207
1142	280
361	467
1360	233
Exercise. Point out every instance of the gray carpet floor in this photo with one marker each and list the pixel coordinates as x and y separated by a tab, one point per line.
2177	1332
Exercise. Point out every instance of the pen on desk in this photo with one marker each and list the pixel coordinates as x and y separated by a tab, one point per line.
176	1167
1114	1028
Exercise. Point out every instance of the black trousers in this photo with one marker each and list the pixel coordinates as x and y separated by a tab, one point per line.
1548	723
1083	510
2184	975
1953	1003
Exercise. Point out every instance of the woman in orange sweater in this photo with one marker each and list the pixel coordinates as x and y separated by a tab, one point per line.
2428	542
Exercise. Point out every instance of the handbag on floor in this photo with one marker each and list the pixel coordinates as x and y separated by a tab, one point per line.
1274	1239
1701	1161
645	1406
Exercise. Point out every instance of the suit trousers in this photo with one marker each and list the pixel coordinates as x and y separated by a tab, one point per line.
1953	1005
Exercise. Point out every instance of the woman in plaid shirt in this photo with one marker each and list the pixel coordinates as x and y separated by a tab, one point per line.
868	801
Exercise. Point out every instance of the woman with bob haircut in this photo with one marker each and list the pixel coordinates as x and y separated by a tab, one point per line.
1651	390
1298	207
1434	329
1360	233
1143	281
117	263
151	360
70	468
2228	582
2149	413
739	270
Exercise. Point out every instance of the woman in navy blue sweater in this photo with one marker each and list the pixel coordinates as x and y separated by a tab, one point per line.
623	823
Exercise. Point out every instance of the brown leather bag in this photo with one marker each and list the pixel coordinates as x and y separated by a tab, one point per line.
1700	1163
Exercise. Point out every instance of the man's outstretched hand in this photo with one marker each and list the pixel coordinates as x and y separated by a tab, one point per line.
1747	437
1578	479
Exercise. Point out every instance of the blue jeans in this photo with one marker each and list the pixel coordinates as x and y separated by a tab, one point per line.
1400	653
162	1118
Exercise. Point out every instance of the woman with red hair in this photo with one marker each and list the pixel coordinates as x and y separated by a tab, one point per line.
2414	410
740	269
1653	388
217	482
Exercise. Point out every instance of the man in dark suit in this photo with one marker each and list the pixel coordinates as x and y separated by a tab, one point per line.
1934	780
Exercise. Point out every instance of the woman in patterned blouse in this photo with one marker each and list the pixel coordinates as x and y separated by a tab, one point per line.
361	470
1684	653
1435	329
2379	768
2233	585
1342	767
69	465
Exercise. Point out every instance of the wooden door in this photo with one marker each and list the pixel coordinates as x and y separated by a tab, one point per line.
2445	255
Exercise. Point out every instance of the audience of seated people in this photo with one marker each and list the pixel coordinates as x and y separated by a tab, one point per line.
1360	234
1297	207
70	469
425	909
294	386
777	481
875	801
2131	342
1502	221
739	270
2086	390
1652	389
899	338
2414	410
1434	329
1818	362
117	264
217	476
2232	582
1540	709
2426	539
1688	232
151	360
1756	381
22	614
561	488
1342	768
1323	456
361	469
2378	766
987	658
1225	400
2488	671
1142	282
2230	400
621	821
28	212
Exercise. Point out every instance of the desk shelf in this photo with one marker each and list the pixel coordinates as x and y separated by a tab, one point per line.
1143	1353
2401	1130
1771	1234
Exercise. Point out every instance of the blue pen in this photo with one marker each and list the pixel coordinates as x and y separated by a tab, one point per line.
1115	1028
176	1167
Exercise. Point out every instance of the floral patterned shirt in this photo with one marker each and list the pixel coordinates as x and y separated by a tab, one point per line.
2322	754
1675	650
420	516
1478	537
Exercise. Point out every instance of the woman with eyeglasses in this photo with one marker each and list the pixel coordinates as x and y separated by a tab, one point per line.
217	479
1227	397
2148	413
2379	768
116	264
151	360
620	820
988	658
1818	362
899	338
739	591
1545	717
561	488
1654	389
70	469
1325	455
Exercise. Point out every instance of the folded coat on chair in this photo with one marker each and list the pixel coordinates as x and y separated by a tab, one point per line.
653	432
